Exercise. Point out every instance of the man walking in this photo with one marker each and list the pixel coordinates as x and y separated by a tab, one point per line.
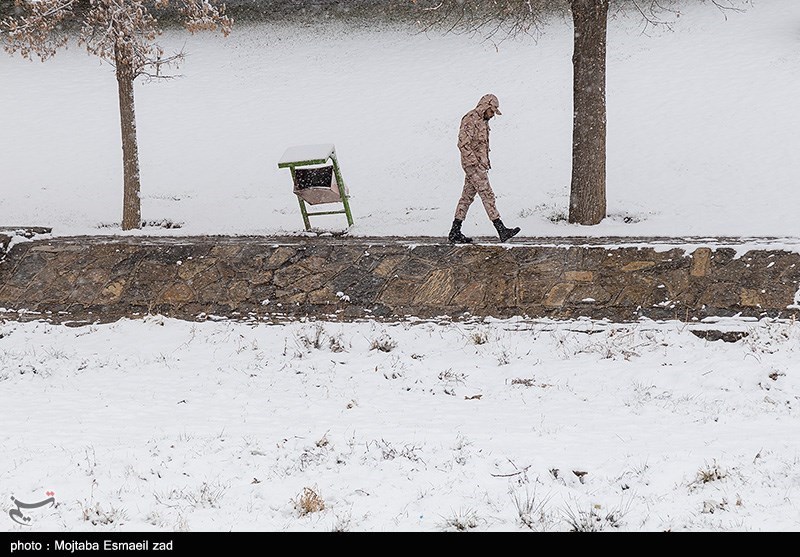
473	142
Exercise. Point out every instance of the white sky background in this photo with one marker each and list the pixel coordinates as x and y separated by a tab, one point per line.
159	424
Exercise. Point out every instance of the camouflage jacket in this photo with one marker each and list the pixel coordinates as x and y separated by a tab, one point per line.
473	136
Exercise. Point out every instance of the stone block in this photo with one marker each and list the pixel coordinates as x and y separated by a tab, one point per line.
589	258
280	256
177	294
645	294
213	292
323	296
204	278
397	291
111	292
87	286
365	290
288	297
24	271
720	295
557	295
500	293
583	293
499	263
414	267
470	296
531	290
9	294
311	282
253	255
238	291
314	264
94	276
125	266
156	271
228	270
189	268
637	266
258	278
750	298
701	262
227	252
289	275
579	276
388	264
432	253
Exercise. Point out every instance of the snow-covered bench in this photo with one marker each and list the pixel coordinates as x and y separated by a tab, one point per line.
316	179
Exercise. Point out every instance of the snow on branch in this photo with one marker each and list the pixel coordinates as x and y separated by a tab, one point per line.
37	31
202	15
121	32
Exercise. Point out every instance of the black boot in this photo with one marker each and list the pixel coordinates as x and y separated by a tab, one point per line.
455	236
503	232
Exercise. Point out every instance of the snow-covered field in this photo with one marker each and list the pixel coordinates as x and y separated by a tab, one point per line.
702	129
158	424
161	425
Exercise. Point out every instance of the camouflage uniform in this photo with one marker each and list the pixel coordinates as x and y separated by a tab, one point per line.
473	142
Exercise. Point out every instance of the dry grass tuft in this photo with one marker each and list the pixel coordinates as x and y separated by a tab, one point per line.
384	343
309	502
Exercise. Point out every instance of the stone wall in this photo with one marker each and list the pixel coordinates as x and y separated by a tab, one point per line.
9	233
104	278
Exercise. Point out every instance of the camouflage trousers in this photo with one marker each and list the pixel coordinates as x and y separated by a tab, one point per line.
476	181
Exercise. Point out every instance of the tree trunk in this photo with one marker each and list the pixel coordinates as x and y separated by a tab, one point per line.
587	200
131	203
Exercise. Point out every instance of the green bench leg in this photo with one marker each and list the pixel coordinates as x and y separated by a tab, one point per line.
304	212
345	201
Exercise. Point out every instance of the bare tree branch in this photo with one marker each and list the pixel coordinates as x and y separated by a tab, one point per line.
36	32
493	19
109	28
490	19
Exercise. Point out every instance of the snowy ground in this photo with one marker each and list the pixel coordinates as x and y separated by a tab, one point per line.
504	426
158	424
702	125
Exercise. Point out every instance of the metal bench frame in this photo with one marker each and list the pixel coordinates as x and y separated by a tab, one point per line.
321	155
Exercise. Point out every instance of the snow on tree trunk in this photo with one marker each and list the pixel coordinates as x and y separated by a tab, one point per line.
587	201
131	203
